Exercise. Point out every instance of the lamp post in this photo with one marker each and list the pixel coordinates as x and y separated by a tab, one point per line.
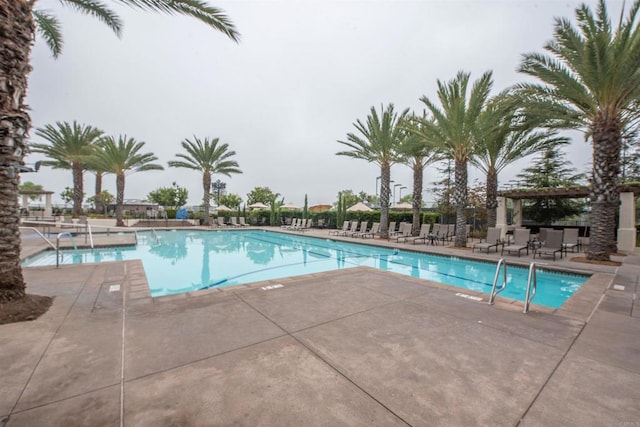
394	192
377	179
400	194
218	186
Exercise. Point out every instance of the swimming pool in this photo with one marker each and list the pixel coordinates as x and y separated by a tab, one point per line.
185	260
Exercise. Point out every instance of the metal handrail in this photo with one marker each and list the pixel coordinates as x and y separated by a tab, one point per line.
532	279
41	235
494	289
66	233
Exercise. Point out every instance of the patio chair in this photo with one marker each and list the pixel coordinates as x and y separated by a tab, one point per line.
404	232
570	240
352	229
552	246
520	242
243	222
363	229
435	234
220	221
234	222
423	235
392	228
375	229
345	227
493	240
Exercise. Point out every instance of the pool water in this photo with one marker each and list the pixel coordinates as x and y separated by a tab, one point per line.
185	260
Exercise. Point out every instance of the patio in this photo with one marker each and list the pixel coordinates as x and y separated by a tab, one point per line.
353	347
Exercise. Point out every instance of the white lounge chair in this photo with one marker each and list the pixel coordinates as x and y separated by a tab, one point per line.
375	230
424	234
345	228
570	240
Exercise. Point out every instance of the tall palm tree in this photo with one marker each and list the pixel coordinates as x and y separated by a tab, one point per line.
18	27
378	143
122	157
418	152
208	157
70	147
452	128
590	81
501	139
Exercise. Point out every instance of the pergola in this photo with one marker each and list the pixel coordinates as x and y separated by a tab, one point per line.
626	224
48	211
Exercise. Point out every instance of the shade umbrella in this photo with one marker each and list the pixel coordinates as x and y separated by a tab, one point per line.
290	206
359	207
404	206
223	208
258	205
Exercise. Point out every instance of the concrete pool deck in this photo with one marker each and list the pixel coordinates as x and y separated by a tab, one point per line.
351	347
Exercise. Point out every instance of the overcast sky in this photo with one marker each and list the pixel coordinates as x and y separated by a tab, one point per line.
303	72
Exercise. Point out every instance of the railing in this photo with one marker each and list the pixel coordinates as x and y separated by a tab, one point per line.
66	233
41	235
531	280
494	289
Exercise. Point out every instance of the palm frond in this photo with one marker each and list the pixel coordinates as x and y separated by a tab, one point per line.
98	10
48	27
198	9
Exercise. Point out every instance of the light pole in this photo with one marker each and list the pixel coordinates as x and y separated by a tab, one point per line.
394	192
218	186
377	179
400	194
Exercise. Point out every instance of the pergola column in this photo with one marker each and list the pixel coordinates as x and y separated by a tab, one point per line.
517	212
627	224
501	216
48	211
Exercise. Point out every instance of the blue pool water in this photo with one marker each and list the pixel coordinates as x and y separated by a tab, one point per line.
183	261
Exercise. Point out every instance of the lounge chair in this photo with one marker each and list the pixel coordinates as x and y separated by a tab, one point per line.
570	240
435	234
345	227
552	246
375	230
363	229
392	229
242	222
493	240
520	241
404	232
352	229
423	235
234	222
220	221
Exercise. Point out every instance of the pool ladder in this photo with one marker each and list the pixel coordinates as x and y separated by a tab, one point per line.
532	283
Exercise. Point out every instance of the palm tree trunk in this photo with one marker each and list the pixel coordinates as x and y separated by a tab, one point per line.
492	198
385	192
119	198
78	189
206	186
605	198
98	196
418	171
18	31
460	198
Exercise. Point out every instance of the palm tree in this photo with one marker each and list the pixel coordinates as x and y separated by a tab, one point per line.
590	81
379	142
123	157
70	147
418	151
502	138
18	27
209	157
453	129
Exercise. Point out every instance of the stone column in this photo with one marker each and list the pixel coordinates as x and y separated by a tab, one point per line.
517	212
48	211
501	216
627	224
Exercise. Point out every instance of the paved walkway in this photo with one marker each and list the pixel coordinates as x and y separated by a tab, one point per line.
354	347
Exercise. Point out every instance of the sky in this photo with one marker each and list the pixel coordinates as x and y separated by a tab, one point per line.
303	73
